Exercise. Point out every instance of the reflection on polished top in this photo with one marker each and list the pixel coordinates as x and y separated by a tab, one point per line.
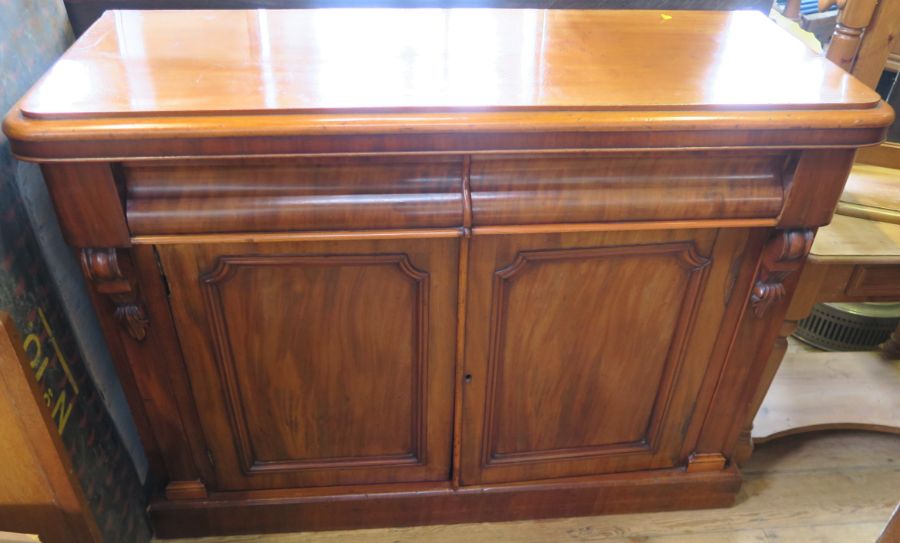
361	60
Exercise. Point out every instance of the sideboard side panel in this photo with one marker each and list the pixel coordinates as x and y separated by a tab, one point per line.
160	364
88	204
745	369
816	181
144	367
813	187
131	305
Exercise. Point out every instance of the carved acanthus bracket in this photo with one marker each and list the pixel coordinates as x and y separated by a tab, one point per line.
783	254
111	272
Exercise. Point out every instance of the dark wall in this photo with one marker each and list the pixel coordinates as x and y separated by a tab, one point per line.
84	12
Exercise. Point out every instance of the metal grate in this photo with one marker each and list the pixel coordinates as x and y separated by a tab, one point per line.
848	327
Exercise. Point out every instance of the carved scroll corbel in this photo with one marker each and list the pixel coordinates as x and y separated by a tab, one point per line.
783	254
112	275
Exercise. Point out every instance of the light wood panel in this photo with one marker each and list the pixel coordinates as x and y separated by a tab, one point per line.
872	192
879	40
9	537
818	391
851	240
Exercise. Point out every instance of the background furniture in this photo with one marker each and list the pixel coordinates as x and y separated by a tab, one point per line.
806	13
498	277
855	258
39	493
9	537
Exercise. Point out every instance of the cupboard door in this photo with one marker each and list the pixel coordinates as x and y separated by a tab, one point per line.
319	363
585	352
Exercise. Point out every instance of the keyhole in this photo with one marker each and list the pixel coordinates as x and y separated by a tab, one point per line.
467	378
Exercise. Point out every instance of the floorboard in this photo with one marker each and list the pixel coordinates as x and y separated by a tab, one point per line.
830	487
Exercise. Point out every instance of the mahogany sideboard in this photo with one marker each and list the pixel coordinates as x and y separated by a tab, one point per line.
370	267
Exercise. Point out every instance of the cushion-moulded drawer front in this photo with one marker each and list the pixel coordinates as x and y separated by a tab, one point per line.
613	187
293	194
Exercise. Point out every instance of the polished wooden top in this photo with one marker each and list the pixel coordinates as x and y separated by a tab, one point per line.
201	63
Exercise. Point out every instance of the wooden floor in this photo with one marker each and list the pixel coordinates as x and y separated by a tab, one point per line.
829	487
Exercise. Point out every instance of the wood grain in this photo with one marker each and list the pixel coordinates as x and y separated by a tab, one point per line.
595	350
294	195
748	361
872	192
377	505
272	334
591	188
828	487
313	135
316	235
520	424
860	389
529	65
852	21
856	240
879	40
550	95
94	186
489	265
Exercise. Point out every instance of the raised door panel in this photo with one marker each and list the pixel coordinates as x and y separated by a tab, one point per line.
317	364
584	352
